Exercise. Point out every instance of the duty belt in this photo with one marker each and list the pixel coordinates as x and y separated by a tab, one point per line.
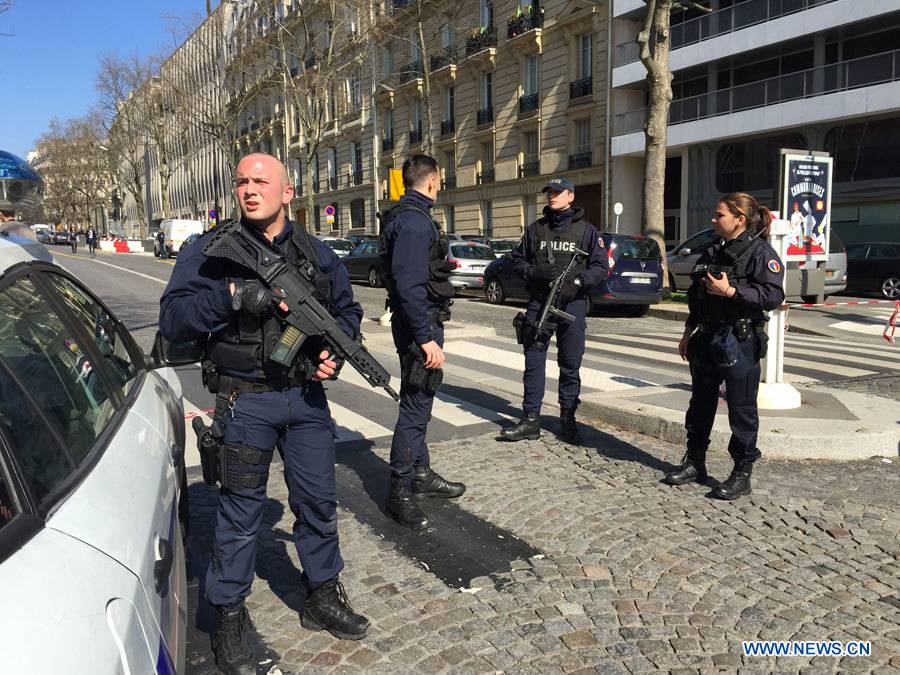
229	384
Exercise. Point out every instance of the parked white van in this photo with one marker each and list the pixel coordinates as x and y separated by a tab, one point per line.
176	231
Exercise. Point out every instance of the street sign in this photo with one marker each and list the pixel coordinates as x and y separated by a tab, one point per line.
618	208
212	214
329	212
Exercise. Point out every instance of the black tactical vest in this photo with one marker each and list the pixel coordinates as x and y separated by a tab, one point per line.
556	248
246	344
439	287
736	256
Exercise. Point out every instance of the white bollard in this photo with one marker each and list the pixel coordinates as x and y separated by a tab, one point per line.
774	392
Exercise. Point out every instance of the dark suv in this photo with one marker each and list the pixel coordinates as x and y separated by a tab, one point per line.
635	276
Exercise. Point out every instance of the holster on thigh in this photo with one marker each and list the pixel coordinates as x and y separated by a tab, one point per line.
234	466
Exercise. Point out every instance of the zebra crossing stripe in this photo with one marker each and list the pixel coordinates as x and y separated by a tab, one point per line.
352	426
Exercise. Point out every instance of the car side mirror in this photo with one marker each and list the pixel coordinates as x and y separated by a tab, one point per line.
684	252
166	353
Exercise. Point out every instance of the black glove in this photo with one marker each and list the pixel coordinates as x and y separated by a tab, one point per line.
252	297
546	274
570	289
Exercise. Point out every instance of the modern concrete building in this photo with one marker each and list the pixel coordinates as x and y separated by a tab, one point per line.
755	76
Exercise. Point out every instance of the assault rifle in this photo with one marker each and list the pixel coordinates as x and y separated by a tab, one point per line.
550	306
306	317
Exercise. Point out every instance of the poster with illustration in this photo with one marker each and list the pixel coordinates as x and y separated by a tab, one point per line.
806	203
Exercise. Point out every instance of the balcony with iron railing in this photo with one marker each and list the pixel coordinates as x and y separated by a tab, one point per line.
355	178
448	128
415	136
401	4
580	160
387	144
530	167
720	22
486	175
532	18
448	182
483	38
254	126
484	116
411	71
332	182
529	103
581	88
862	72
444	58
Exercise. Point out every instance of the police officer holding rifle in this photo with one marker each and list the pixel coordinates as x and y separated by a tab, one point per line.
269	394
542	258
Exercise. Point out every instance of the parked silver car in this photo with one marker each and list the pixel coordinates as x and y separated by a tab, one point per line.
471	259
683	257
92	478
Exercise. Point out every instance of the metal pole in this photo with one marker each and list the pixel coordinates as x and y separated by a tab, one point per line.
375	140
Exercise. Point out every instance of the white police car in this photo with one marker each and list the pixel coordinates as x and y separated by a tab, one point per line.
92	569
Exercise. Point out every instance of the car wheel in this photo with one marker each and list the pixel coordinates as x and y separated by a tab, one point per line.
638	310
890	288
493	292
590	307
813	299
374	277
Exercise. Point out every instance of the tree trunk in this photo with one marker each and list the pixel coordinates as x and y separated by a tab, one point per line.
428	133
654	41
310	193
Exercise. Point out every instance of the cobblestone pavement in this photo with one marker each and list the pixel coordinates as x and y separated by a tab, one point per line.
634	577
887	386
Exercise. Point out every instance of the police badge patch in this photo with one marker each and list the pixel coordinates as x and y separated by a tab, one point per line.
774	266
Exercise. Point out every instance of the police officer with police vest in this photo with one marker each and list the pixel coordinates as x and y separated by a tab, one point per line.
416	274
541	256
263	406
735	282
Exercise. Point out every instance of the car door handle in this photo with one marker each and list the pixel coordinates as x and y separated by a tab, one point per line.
165	556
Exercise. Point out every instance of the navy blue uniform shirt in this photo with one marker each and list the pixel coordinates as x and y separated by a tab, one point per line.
764	285
523	255
197	301
410	236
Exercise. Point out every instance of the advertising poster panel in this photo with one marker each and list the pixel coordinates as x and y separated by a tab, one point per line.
806	204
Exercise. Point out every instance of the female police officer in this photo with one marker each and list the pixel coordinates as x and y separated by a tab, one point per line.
734	282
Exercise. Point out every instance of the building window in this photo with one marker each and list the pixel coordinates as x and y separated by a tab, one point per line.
486	11
448	35
868	151
487	219
530	75
354	84
297	175
331	160
585	50
450	219
317	185
487	91
387	61
531	159
450	104
318	219
358	213
583	135
530	210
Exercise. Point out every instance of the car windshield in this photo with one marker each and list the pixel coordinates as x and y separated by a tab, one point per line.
634	248
502	245
472	252
335	245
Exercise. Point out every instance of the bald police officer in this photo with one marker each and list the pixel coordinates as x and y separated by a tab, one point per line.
541	256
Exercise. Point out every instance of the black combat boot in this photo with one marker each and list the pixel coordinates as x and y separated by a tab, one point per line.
327	608
427	483
402	508
229	643
736	485
528	429
693	469
568	427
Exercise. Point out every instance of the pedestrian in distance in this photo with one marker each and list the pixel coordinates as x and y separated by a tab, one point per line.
264	406
417	278
735	281
73	240
161	249
91	238
542	255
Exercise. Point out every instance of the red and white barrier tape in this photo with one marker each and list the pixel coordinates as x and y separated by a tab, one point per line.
840	304
891	325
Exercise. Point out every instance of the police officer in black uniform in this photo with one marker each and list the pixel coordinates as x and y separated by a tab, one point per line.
416	275
735	282
541	256
264	406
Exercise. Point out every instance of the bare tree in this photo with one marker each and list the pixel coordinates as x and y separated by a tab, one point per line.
654	43
127	108
74	163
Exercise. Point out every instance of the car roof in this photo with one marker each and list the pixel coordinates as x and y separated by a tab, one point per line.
17	246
